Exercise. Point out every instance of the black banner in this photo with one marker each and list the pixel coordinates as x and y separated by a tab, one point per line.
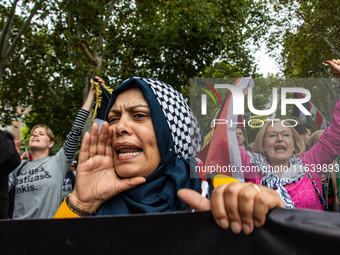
285	232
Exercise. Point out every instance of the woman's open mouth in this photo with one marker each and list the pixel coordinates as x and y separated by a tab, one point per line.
280	148
124	151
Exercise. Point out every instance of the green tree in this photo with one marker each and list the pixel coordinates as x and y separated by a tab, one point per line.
308	33
168	40
15	31
15	27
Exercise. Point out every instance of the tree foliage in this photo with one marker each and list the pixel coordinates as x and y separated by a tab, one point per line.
72	41
15	30
308	32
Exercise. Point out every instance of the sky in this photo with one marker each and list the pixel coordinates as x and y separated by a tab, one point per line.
266	64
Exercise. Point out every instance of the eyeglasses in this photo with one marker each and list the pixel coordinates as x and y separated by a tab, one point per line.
284	134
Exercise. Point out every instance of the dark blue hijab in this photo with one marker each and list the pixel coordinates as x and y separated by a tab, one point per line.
171	118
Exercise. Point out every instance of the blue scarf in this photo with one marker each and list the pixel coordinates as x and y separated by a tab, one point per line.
175	144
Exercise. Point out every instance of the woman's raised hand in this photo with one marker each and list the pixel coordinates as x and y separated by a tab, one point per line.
335	66
93	87
100	80
96	179
17	147
240	206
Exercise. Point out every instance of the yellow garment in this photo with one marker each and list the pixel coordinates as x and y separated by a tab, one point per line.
220	179
64	212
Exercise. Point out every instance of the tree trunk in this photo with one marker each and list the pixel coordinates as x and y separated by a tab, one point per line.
88	123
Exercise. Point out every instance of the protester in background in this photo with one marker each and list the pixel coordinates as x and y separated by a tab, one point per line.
38	183
141	160
74	167
304	130
241	138
9	160
69	180
279	162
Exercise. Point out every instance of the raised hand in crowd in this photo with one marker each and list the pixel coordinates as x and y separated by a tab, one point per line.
335	66
17	147
29	205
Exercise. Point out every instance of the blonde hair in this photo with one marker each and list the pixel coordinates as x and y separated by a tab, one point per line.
312	137
258	147
48	131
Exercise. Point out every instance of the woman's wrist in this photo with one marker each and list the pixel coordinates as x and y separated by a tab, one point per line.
81	208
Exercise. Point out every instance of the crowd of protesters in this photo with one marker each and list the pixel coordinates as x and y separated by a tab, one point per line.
139	162
35	186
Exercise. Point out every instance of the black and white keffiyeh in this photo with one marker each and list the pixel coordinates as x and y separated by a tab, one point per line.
273	180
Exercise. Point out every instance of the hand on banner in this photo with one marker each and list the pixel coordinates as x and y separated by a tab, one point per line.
96	179
335	66
240	206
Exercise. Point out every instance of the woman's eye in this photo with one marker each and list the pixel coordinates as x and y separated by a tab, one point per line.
286	135
113	120
140	115
272	135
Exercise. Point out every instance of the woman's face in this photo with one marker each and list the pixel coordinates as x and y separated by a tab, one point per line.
135	149
278	144
39	139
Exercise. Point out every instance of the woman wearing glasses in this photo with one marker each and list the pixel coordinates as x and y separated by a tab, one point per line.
279	162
